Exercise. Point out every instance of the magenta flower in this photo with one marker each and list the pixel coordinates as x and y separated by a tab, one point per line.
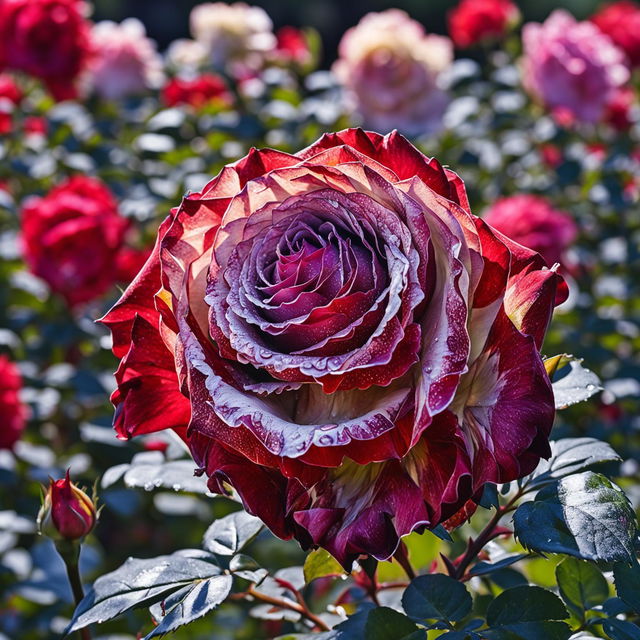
335	335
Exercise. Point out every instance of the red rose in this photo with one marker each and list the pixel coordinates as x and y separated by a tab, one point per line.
13	412
48	39
473	21
67	511
621	22
291	45
196	92
618	112
35	126
71	237
534	223
334	334
129	262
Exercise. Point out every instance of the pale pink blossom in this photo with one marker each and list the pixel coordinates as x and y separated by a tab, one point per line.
234	35
392	72
571	67
125	60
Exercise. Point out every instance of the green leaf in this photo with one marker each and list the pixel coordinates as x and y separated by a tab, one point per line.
438	597
584	515
232	533
529	631
627	579
384	623
141	582
319	564
577	385
189	604
581	585
525	604
620	629
569	456
484	568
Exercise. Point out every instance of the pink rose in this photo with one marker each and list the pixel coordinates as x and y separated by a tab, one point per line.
13	412
571	67
125	61
532	221
392	71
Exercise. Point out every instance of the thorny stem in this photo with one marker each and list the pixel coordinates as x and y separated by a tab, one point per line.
300	606
485	536
70	553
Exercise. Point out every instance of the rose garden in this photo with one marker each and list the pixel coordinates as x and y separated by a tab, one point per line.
305	343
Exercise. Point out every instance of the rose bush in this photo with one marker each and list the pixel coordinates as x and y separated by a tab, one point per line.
71	238
334	334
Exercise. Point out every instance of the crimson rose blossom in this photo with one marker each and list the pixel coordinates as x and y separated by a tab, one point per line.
621	22
473	21
71	238
13	412
335	335
534	223
197	92
48	39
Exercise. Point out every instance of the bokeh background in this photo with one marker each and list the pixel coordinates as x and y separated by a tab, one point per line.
167	20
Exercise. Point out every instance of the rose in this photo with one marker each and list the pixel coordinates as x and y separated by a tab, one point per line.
622	109
337	337
621	22
197	92
124	61
474	21
392	72
10	96
572	67
67	511
48	39
13	412
237	36
292	45
71	237
534	223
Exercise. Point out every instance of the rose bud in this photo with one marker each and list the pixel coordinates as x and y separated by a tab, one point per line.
391	70
71	237
13	412
335	335
475	21
571	67
67	511
621	22
56	59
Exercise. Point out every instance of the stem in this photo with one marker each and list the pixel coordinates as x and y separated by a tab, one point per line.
485	536
300	606
70	553
402	556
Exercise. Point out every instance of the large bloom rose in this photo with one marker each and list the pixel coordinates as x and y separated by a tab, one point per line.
571	67
392	71
71	237
336	336
534	223
48	39
124	61
473	21
13	412
621	22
